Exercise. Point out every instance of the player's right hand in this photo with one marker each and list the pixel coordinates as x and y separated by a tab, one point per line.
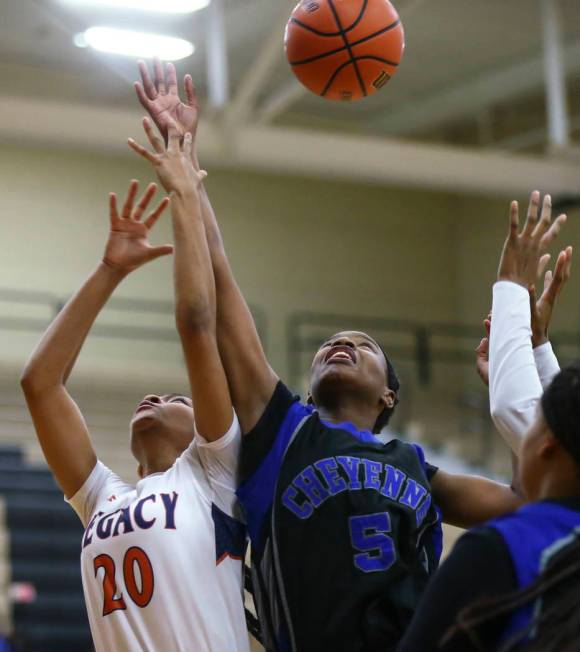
128	245
160	98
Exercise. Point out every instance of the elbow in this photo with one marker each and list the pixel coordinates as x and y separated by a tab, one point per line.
34	381
30	382
194	317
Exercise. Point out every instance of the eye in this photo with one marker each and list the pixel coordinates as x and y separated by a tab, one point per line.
180	399
367	345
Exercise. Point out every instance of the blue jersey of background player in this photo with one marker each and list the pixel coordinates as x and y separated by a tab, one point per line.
350	395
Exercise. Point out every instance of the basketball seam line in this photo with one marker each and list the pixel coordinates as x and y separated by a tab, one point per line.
347	63
342	49
345	39
348	29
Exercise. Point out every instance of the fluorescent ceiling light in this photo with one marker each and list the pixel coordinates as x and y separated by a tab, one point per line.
135	44
162	6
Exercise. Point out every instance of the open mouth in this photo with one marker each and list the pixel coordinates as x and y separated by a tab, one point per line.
341	355
144	406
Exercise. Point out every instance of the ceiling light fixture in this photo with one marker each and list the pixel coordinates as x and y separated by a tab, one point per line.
161	6
135	44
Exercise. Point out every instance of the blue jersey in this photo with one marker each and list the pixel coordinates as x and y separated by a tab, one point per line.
344	531
534	535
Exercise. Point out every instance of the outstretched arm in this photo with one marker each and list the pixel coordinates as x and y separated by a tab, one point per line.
250	377
515	386
195	294
60	426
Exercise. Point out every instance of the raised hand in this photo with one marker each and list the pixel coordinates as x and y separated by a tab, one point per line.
173	163
522	251
161	99
542	308
128	245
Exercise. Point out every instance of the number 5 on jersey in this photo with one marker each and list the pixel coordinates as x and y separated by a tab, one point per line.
140	595
369	535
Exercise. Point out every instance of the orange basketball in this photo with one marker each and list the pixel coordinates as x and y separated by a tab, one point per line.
344	49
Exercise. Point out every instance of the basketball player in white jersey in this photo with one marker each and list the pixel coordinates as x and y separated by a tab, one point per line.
162	560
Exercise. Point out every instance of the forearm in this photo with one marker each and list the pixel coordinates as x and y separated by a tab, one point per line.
250	377
52	360
514	385
195	294
546	363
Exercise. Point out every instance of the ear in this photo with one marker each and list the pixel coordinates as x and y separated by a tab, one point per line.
140	471
388	398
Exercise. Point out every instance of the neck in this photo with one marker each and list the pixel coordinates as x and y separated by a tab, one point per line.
559	485
362	416
159	460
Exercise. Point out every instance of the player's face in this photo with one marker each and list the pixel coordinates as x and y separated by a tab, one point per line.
350	361
169	416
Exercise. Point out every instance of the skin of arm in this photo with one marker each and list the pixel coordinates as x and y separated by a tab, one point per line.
251	379
195	293
466	500
59	424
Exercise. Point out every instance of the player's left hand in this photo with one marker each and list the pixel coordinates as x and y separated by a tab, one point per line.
522	251
542	308
161	99
173	164
482	353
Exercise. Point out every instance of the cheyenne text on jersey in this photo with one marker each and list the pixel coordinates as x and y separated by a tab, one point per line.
333	475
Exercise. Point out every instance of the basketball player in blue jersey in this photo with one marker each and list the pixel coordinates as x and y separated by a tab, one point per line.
518	572
345	529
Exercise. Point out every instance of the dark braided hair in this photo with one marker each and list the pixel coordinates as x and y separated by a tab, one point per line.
557	623
556	626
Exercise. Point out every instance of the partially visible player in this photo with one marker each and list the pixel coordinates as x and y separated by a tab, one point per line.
161	561
519	571
345	530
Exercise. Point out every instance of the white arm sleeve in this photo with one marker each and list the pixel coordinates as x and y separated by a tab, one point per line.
514	385
546	363
220	460
101	485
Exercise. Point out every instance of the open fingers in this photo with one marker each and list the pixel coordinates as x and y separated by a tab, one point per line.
142	96
546	218
131	194
532	217
159	76
134	145
113	210
544	260
171	78
190	94
514	218
552	233
148	85
156	214
155	141
145	200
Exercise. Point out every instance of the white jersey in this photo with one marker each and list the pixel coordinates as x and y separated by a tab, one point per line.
162	561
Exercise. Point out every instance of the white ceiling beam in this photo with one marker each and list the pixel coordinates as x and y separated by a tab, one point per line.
269	56
36	122
470	97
